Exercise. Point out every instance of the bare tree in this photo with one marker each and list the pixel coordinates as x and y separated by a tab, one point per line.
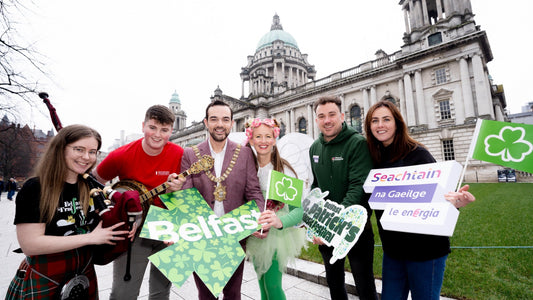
19	62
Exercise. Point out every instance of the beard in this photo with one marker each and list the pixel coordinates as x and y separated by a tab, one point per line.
218	138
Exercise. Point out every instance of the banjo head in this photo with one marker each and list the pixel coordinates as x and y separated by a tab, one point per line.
129	185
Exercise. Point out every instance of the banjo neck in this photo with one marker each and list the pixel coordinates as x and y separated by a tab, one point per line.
205	163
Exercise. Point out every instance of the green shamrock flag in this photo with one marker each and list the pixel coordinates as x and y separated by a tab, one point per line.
285	188
203	243
503	143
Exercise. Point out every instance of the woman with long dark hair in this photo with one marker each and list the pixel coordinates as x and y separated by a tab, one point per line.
411	262
56	221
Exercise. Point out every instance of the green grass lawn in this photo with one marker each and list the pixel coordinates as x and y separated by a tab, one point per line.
502	218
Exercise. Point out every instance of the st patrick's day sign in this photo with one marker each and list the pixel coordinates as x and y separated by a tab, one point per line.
338	226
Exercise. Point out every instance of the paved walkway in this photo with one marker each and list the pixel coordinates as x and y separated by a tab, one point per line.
304	281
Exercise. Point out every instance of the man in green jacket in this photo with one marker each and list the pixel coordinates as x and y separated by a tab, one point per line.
340	161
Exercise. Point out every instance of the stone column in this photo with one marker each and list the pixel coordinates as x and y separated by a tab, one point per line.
293	125
310	120
419	14
499	113
409	101
468	102
484	101
373	95
425	21
366	100
439	10
420	101
288	122
343	103
403	107
406	20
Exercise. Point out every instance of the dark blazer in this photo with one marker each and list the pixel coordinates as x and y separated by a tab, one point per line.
242	184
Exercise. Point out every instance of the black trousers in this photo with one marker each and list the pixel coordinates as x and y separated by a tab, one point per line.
361	259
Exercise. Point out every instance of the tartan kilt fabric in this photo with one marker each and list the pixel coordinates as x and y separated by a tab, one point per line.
60	267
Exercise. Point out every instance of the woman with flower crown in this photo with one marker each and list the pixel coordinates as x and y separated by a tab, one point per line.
279	242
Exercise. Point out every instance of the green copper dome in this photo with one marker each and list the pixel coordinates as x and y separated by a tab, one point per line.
175	98
276	33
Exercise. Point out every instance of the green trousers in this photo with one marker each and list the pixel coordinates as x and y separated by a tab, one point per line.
270	283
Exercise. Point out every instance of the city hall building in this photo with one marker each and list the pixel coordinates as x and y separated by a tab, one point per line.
439	80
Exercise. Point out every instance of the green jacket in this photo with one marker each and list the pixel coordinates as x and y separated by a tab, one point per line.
341	166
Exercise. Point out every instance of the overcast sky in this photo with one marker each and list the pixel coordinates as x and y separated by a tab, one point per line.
110	60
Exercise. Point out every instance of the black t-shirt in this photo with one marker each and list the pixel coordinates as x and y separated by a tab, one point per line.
69	218
404	245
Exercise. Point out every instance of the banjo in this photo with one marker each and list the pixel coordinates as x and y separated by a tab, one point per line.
146	196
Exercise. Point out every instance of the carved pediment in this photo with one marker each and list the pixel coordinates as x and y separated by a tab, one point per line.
442	93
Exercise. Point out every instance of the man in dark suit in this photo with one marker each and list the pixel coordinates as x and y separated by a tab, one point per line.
231	183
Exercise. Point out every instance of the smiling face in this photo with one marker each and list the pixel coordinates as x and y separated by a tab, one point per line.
263	140
218	123
80	156
383	125
329	120
156	136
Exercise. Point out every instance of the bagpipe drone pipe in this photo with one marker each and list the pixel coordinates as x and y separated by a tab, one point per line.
112	206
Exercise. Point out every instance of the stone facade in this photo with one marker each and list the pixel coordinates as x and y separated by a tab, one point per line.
439	80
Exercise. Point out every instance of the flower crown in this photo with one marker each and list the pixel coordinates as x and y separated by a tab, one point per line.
254	123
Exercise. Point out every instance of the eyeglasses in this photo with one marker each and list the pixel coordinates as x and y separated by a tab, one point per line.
81	151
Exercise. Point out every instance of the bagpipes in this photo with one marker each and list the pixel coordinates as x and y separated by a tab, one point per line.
112	206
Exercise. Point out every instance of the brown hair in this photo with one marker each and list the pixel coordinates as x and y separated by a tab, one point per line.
52	169
217	103
161	114
327	99
402	143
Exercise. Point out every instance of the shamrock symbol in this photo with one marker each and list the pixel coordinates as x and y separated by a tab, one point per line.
203	242
285	189
509	144
338	226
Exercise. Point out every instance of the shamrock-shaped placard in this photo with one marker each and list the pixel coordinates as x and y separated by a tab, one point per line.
203	243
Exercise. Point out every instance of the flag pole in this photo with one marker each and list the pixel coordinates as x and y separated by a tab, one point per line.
267	194
264	210
462	175
470	151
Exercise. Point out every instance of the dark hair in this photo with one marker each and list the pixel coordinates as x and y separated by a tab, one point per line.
161	114
327	99
217	103
52	169
401	144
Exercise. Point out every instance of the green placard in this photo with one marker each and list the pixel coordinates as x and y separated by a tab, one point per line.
203	243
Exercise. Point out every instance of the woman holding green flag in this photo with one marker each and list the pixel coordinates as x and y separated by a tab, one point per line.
279	241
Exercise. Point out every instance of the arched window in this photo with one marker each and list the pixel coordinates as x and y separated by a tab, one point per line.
282	129
355	118
302	126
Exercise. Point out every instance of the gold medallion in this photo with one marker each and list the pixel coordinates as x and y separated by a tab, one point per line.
220	190
220	193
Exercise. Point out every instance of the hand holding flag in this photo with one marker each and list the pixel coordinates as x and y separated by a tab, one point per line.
285	188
